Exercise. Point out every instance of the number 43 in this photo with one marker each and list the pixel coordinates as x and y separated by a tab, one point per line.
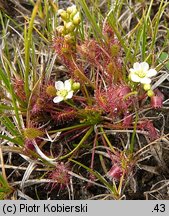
159	208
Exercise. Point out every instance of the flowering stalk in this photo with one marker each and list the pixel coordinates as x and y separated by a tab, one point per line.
71	19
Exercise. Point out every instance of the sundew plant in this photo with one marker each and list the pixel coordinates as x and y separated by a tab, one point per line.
84	99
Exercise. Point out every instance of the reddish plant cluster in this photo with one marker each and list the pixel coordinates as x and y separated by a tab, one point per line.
112	98
66	115
149	127
60	175
90	114
66	52
42	99
122	166
43	105
105	57
115	100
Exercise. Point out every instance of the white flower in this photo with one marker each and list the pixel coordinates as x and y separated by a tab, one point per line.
141	73
64	90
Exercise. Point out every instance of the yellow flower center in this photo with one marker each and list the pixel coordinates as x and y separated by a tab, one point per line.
62	93
141	73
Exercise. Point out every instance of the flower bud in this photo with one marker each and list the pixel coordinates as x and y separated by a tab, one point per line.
147	87
72	9
115	172
156	101
150	93
63	14
60	29
69	26
51	91
76	86
69	38
77	18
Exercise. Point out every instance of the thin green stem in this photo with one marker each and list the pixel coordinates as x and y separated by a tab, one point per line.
79	145
132	144
28	42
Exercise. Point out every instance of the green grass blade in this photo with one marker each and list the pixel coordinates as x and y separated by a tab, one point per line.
88	133
97	175
28	42
96	29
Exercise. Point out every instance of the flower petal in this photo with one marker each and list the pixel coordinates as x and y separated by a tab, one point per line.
72	9
136	66
151	73
58	99
132	70
145	80
69	95
68	85
134	77
144	66
59	85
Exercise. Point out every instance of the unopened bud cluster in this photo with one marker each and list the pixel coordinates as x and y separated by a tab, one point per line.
71	20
